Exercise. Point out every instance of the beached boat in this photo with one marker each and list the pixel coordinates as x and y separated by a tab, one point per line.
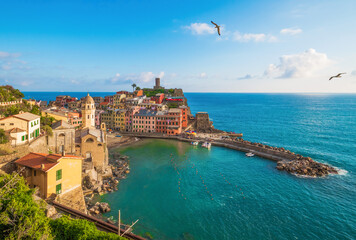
250	154
206	145
194	143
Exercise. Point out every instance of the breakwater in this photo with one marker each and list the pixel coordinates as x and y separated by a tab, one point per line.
286	160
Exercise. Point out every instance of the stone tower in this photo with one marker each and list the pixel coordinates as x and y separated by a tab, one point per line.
88	112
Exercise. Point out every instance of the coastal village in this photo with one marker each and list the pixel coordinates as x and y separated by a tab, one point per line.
61	148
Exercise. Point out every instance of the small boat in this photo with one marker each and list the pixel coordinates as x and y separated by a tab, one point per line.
206	145
194	143
250	154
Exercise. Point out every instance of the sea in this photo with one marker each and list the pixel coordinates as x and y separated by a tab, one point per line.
180	191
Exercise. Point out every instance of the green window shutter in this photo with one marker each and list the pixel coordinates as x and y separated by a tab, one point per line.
59	188
23	138
59	175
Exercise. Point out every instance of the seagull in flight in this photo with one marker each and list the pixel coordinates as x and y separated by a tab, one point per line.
217	27
336	76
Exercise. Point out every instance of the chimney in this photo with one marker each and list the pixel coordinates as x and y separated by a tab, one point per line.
42	166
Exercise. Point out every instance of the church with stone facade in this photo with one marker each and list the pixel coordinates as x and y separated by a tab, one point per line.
87	142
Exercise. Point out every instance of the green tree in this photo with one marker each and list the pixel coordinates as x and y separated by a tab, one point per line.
47	121
36	110
48	130
3	137
137	88
133	86
20	216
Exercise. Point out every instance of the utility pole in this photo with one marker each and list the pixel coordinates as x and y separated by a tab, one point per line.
119	224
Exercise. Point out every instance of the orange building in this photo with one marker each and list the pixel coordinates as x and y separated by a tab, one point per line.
184	116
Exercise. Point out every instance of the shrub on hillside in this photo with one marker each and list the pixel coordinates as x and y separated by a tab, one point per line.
66	228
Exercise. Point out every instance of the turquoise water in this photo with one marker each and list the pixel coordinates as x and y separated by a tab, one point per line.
270	204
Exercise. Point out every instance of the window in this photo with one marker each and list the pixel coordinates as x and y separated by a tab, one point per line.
23	138
59	175
59	188
31	124
34	173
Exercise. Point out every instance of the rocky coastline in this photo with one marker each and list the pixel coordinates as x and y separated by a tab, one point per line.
119	166
296	163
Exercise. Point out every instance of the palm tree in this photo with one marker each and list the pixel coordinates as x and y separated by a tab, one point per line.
133	87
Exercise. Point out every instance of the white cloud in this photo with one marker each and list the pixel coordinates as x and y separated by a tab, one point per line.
203	75
253	37
9	55
145	77
353	73
291	31
161	75
247	76
298	65
115	78
201	28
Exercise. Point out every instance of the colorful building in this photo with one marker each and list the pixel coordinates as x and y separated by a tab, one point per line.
129	117
158	99
169	122
118	98
144	121
184	116
51	173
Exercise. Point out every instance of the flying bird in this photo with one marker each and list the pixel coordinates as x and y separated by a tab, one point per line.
336	76
217	27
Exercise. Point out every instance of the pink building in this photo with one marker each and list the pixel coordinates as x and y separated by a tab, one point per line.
144	121
98	118
129	117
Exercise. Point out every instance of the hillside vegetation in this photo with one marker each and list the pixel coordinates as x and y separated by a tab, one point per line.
21	217
8	93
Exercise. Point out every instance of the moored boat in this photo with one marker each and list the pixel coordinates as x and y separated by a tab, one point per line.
250	154
206	145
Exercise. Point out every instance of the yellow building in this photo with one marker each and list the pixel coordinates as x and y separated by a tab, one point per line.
51	173
114	119
118	98
120	120
107	117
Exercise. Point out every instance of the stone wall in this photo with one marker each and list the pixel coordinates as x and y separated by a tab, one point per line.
202	124
6	161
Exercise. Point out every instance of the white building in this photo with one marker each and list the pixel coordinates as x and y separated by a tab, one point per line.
22	128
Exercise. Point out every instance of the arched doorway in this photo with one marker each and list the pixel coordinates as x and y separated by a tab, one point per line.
61	142
88	157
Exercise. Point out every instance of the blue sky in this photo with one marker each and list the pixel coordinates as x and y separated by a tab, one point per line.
106	45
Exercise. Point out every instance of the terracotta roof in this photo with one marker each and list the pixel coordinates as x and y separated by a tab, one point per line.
35	160
104	103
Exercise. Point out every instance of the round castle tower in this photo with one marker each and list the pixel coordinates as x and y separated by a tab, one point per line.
88	112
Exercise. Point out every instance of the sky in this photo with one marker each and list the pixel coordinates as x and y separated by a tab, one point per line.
107	45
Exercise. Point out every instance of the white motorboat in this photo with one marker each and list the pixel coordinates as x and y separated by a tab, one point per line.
194	143
250	154
206	145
